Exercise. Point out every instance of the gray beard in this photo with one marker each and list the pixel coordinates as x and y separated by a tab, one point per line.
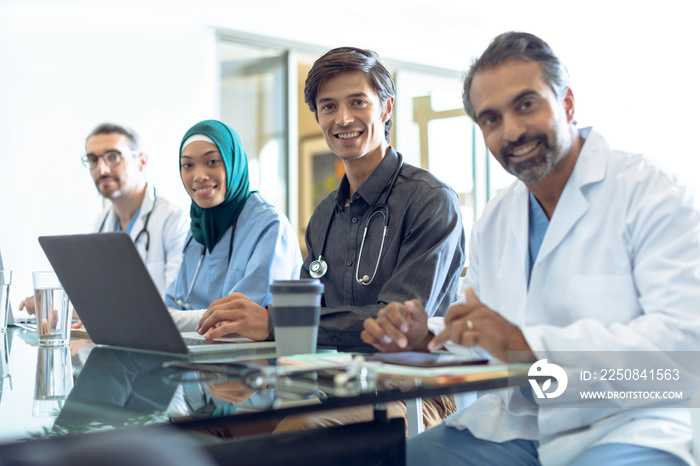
535	169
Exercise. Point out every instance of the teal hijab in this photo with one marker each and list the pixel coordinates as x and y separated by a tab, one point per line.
209	225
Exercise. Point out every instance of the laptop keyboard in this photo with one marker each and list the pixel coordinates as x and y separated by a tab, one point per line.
197	342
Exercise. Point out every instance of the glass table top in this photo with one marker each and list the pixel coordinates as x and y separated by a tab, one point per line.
54	391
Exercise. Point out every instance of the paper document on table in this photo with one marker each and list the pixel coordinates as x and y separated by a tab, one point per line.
436	375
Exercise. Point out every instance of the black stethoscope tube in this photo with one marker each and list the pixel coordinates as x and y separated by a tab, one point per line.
319	267
183	303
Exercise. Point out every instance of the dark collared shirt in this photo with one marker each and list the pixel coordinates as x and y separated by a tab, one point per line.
422	258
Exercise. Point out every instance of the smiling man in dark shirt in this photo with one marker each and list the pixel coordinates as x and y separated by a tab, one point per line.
421	252
390	232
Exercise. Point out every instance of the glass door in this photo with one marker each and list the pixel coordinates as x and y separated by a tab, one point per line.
254	101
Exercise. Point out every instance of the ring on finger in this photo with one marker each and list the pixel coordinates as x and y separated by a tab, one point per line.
470	324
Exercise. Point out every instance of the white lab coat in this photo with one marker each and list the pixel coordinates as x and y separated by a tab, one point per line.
168	226
618	269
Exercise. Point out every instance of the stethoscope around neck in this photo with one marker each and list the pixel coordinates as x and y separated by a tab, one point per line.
184	303
319	267
144	230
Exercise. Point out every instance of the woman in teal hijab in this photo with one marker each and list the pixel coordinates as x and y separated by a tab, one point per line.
239	243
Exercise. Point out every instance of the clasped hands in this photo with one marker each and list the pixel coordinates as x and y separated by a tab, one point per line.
404	327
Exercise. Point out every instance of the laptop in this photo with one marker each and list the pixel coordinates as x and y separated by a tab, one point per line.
118	303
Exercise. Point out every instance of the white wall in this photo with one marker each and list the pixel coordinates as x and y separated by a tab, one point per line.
66	65
62	74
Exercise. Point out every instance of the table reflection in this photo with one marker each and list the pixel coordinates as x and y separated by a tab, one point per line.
5	376
205	394
117	388
54	380
210	390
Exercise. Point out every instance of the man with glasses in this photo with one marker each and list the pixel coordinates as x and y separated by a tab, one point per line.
157	226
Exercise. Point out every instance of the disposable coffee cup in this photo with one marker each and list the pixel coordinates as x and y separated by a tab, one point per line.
304	292
295	314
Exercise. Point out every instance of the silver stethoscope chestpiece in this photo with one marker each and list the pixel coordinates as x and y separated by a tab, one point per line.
318	268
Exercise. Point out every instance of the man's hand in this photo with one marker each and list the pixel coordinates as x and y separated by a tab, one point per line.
474	324
28	304
398	327
234	314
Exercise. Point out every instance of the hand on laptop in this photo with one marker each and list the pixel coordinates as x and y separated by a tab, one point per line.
234	314
78	323
28	304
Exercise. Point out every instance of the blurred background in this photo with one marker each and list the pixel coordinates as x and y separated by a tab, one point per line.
159	67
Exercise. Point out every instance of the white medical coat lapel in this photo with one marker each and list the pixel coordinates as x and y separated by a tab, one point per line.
571	208
584	291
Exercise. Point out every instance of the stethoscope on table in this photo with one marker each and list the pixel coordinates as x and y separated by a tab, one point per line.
319	267
144	230
183	303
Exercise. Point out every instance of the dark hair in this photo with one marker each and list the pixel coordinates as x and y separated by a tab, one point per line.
111	128
341	59
521	45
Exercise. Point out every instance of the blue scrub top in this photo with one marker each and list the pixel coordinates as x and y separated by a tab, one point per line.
265	249
537	228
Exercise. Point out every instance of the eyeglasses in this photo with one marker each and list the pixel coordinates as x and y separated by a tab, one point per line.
111	158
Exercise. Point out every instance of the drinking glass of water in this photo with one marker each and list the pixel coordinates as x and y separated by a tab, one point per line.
5	282
53	310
